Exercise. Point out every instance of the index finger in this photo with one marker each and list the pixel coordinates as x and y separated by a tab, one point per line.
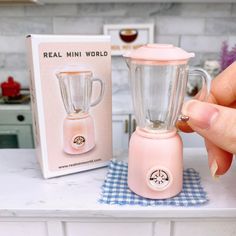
223	87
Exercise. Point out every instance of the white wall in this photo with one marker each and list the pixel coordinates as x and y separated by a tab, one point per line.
196	27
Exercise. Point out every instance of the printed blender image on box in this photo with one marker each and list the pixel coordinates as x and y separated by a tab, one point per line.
76	86
70	82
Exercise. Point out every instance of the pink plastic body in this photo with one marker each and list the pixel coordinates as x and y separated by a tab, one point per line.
78	135
155	168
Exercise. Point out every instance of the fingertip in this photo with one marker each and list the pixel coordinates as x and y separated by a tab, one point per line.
224	163
219	159
183	126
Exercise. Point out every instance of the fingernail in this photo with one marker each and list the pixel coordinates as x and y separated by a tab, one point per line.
201	114
213	169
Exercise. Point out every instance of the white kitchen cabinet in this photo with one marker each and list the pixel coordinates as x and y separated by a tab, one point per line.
18	136
16	126
68	206
200	228
122	127
125	227
109	228
129	227
23	228
120	133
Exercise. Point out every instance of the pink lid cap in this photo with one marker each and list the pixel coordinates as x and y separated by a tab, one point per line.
159	52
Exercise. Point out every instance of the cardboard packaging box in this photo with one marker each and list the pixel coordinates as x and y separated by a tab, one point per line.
71	99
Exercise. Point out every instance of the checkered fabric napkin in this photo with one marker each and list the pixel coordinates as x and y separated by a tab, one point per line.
115	189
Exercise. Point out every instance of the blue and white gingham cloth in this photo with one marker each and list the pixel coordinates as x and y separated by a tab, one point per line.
115	189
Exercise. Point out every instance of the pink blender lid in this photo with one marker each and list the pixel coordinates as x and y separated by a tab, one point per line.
159	52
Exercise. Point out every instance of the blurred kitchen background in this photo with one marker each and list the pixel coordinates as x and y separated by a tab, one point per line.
198	27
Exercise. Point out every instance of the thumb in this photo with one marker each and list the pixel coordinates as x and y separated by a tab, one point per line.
215	123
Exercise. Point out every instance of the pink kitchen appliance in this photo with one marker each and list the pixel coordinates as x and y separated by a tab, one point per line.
158	79
76	88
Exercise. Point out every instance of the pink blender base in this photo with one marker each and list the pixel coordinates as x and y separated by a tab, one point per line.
78	134
155	168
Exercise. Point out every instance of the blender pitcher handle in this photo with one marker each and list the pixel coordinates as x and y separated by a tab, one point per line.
99	98
202	95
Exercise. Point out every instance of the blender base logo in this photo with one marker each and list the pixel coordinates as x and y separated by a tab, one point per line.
158	178
78	141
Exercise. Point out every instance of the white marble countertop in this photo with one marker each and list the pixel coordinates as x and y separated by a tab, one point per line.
25	194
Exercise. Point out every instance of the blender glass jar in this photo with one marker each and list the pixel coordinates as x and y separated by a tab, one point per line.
76	90
157	91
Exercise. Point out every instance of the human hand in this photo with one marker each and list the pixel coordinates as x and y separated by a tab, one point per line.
215	120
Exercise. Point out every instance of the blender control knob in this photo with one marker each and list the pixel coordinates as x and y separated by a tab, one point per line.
158	178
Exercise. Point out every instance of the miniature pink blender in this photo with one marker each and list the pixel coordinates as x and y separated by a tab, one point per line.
158	78
78	127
